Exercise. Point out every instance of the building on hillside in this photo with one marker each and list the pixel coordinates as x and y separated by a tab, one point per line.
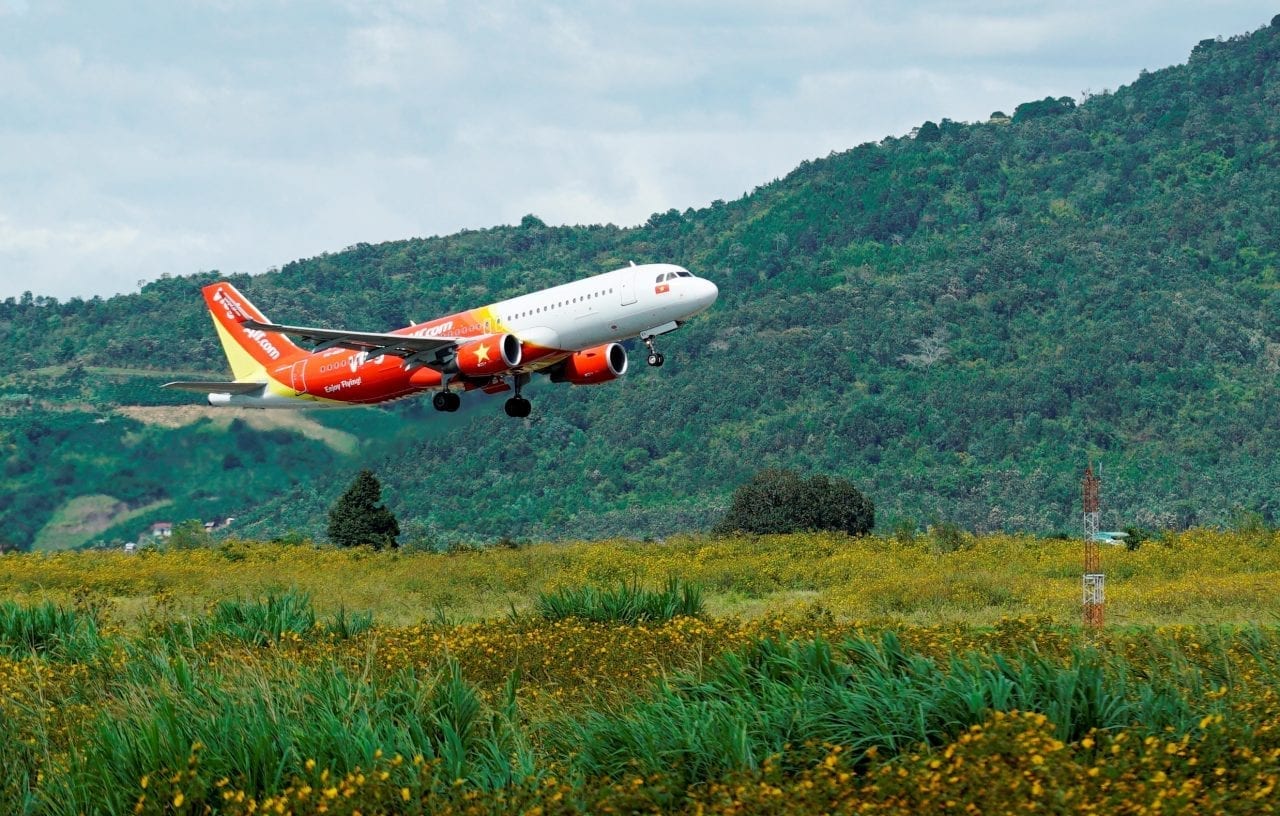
162	529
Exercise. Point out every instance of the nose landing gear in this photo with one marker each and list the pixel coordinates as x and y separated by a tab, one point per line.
655	358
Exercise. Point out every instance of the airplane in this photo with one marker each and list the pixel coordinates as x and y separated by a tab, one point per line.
571	333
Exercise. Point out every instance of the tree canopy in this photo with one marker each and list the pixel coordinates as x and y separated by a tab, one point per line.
358	518
783	501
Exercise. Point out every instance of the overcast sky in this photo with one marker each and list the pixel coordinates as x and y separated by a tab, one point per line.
138	138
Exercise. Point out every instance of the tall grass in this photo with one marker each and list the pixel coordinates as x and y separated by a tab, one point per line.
47	629
19	761
178	713
264	622
780	695
344	624
627	604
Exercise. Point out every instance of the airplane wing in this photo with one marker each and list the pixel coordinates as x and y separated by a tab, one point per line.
207	387
376	343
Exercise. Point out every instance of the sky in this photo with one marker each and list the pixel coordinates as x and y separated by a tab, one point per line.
144	138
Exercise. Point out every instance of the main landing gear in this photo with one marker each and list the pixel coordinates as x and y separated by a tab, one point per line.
655	357
446	401
518	406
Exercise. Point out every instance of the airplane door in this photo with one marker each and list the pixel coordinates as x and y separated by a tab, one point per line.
626	285
298	376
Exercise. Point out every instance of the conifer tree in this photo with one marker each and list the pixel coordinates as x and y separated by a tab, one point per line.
358	518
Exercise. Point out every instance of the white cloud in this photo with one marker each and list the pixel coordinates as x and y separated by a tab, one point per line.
395	57
114	256
252	134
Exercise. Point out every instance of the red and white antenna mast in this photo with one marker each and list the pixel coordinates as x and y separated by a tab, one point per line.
1095	595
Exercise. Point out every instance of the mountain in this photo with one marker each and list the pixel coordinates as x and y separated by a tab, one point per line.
957	321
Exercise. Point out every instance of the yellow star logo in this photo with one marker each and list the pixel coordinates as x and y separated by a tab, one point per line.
482	354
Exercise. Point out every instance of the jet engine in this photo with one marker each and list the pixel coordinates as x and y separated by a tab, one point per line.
593	365
493	354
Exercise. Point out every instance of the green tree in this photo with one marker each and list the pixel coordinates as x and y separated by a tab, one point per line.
928	132
782	501
358	518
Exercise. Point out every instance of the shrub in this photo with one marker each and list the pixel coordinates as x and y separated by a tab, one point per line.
189	535
782	501
905	531
1136	537
946	537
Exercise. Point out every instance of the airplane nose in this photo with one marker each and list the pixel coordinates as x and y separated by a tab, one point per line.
706	293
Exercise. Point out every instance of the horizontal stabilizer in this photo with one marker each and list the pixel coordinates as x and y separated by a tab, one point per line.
202	387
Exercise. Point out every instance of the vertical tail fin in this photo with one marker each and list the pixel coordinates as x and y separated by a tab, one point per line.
249	351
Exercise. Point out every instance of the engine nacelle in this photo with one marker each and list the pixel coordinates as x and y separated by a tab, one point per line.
593	365
493	354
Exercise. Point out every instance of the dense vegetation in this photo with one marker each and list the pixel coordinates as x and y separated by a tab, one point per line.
777	500
179	682
954	321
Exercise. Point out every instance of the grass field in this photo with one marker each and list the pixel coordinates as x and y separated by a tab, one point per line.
816	675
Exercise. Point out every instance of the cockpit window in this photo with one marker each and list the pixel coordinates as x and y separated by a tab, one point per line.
661	278
682	273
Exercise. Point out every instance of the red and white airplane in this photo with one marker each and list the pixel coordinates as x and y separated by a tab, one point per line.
569	332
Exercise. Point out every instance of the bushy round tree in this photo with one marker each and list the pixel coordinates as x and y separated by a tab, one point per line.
358	517
782	501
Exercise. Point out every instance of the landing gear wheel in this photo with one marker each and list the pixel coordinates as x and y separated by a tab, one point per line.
446	401
655	357
518	407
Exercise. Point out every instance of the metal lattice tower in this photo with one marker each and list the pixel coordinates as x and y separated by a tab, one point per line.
1094	580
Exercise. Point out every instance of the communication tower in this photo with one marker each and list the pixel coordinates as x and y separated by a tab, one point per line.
1094	580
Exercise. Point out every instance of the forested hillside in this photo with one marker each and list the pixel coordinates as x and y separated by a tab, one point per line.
955	320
